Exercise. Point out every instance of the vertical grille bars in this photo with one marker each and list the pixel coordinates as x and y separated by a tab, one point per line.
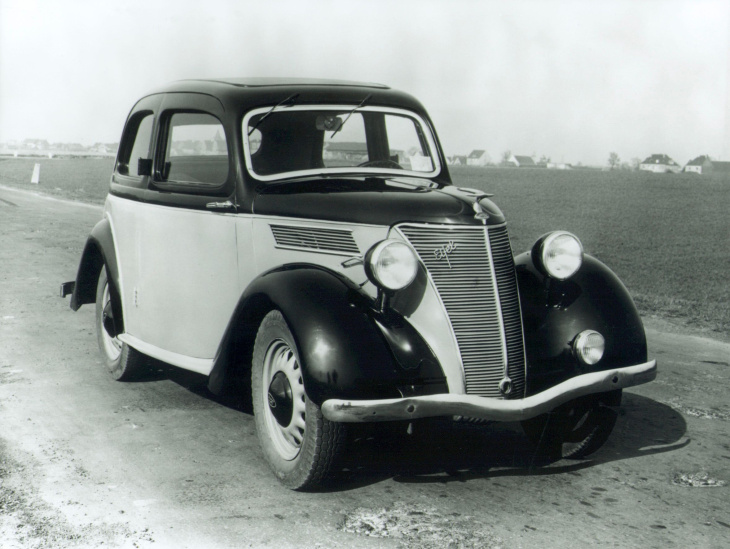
485	318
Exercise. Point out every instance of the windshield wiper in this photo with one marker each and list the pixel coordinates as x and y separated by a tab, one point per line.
289	101
350	114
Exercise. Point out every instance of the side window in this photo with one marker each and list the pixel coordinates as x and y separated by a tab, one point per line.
195	152
136	144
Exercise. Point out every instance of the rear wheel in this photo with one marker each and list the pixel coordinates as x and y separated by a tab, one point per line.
123	362
576	429
300	445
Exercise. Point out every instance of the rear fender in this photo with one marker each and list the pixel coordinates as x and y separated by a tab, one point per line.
98	252
347	349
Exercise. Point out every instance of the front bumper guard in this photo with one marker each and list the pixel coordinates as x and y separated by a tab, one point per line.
361	411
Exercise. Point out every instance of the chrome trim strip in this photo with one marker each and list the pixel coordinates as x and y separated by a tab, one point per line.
498	303
200	365
519	305
314	223
360	411
317	251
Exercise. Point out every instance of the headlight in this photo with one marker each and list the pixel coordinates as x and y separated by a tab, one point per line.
391	265
561	254
588	347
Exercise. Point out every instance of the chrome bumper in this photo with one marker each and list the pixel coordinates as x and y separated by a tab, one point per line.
359	411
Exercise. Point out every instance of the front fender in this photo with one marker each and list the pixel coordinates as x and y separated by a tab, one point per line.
347	349
554	312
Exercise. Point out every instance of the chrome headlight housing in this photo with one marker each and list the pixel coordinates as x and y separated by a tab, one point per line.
560	254
391	265
589	346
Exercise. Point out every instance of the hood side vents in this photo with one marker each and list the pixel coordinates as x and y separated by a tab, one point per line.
335	241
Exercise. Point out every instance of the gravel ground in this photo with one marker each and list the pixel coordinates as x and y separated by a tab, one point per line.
88	462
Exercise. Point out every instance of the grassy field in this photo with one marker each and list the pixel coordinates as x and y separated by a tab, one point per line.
84	179
666	236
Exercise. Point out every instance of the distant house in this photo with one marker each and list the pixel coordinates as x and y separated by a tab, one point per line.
457	160
558	166
704	165
38	144
70	147
105	148
660	163
701	164
519	161
346	151
477	157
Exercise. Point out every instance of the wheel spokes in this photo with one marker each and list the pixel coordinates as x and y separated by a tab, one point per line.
288	438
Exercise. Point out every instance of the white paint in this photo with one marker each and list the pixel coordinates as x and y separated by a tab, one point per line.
199	365
179	275
36	177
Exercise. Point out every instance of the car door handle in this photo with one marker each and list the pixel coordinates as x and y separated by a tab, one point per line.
227	205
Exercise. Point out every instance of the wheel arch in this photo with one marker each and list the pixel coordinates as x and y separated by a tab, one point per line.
99	252
554	312
343	350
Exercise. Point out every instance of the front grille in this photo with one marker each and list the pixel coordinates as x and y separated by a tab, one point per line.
315	238
457	259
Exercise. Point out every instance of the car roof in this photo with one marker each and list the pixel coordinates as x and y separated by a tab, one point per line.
246	93
262	82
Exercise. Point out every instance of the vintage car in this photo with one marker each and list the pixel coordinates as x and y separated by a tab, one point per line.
303	238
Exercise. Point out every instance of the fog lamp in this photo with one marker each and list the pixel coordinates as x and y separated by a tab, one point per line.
588	347
391	265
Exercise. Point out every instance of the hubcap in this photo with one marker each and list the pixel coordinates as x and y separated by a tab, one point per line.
283	392
112	345
280	399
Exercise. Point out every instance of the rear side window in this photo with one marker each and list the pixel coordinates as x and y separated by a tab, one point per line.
136	145
195	152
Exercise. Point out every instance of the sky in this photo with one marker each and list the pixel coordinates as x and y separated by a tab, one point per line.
569	80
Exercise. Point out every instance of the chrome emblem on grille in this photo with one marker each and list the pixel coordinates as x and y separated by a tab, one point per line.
444	251
505	386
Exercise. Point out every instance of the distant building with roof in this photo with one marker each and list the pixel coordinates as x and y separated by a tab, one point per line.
457	160
477	157
346	151
520	161
37	144
704	165
660	163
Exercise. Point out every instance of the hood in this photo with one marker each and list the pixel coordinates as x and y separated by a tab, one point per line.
376	201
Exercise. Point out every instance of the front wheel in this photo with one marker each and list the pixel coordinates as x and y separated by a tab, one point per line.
575	429
123	362
300	445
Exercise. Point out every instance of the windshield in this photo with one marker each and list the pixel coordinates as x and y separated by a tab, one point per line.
290	141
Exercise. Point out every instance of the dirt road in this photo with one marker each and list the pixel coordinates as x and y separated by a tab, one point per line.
86	461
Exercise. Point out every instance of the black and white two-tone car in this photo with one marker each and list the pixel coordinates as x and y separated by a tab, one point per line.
304	238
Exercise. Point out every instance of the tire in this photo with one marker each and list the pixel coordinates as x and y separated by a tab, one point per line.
123	362
576	429
299	444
